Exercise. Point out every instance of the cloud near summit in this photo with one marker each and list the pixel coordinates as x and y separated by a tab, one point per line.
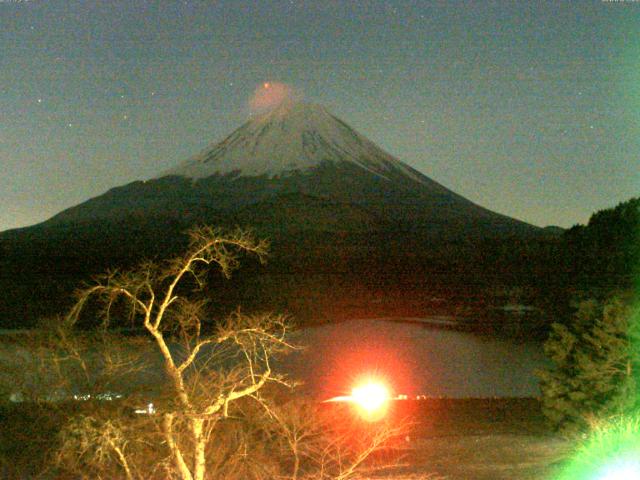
271	94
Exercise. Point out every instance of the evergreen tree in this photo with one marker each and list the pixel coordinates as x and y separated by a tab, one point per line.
607	250
595	364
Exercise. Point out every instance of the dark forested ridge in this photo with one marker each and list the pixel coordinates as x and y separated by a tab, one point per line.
310	273
607	249
328	273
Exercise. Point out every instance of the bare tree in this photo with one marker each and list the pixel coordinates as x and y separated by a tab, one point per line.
324	442
211	412
206	367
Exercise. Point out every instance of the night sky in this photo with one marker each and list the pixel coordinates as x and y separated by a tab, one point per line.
530	109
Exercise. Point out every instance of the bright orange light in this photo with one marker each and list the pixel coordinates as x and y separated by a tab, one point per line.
267	84
372	399
371	396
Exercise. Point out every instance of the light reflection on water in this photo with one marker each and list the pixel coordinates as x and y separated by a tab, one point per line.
414	359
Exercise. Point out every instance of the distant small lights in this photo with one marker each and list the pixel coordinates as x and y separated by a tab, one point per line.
150	409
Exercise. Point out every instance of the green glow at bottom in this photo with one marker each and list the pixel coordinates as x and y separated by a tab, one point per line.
611	453
620	470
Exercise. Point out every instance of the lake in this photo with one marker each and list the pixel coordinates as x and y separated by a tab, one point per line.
414	359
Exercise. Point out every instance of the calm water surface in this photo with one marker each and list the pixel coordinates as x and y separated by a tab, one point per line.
414	360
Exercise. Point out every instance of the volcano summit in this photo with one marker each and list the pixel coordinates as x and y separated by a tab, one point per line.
291	138
299	167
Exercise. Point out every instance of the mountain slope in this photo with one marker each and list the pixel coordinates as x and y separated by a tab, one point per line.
300	149
293	137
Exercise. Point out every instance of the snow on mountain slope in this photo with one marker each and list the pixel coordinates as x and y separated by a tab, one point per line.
294	137
297	155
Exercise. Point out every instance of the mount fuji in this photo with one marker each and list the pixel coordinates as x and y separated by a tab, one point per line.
295	168
331	202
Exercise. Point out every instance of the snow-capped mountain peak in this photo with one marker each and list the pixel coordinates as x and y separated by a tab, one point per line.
293	137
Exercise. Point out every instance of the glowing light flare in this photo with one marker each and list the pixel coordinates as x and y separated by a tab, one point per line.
611	452
371	396
624	470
